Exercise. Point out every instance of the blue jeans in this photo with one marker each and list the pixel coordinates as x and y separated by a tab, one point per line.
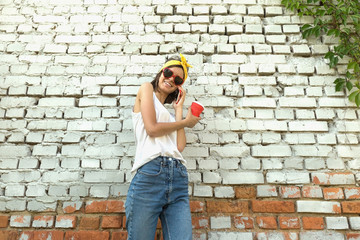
159	189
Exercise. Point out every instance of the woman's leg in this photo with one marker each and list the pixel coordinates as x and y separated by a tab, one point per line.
143	205
176	217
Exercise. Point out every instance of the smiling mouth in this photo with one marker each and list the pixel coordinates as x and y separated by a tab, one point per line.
168	84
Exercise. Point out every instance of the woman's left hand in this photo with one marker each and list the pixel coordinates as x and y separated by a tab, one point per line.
178	103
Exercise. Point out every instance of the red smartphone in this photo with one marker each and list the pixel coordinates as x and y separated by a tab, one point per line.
179	96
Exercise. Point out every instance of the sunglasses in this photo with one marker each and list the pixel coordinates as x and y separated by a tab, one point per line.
168	74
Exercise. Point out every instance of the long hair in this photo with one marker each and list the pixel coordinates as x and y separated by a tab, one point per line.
155	83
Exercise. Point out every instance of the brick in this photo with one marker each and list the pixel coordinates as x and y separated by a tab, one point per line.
242	178
266	222
45	235
20	221
89	223
310	235
266	191
277	235
220	222
227	207
354	223
38	206
289	192
122	235
245	192
200	222
87	235
4	221
43	221
273	206
337	223
289	222
230	235
333	178
110	206
244	222
71	207
111	222
15	190
14	151
292	177
351	207
318	207
333	193
223	192
271	151
312	192
197	206
352	192
203	191
9	235
65	221
313	223
352	236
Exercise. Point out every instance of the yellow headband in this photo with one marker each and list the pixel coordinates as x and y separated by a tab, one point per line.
183	63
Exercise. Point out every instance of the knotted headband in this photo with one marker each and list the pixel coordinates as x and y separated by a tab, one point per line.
183	63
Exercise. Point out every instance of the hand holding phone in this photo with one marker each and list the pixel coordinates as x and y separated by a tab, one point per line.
179	96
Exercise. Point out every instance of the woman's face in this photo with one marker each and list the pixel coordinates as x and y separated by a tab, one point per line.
167	84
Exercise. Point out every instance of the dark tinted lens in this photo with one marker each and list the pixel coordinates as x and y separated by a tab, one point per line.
178	80
167	73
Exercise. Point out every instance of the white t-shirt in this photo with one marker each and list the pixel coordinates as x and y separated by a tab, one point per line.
148	148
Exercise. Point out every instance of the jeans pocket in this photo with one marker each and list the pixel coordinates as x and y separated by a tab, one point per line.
183	171
152	168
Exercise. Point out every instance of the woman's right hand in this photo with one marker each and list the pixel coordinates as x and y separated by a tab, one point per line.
191	119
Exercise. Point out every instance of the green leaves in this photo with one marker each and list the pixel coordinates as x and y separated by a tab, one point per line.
339	19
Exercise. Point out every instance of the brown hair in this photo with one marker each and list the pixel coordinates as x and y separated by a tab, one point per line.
155	83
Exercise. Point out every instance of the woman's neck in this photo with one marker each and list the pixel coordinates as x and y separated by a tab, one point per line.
161	96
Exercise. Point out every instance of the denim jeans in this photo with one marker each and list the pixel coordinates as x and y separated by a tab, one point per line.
159	189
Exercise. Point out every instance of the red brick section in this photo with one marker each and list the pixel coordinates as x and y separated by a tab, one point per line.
227	206
289	222
121	235
351	207
4	221
273	206
109	206
333	193
200	222
111	222
86	235
197	206
89	223
105	219
45	235
266	222
245	192
244	222
9	235
313	223
352	236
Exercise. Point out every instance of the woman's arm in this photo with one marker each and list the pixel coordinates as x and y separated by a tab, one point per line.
181	137
152	127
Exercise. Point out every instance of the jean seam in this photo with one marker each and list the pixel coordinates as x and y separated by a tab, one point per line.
167	226
131	211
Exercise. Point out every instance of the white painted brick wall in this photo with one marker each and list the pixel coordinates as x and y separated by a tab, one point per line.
70	71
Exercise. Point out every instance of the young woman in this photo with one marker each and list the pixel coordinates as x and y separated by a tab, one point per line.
160	185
